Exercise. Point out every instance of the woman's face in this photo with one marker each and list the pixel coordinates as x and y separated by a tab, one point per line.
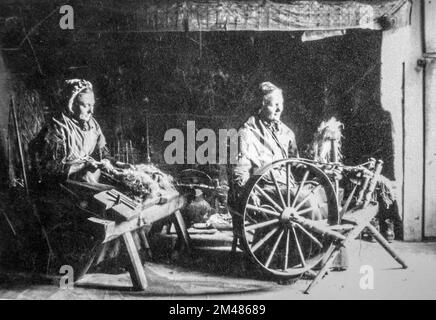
83	107
272	106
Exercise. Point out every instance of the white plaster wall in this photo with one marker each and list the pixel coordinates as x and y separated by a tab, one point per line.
430	121
400	46
430	25
430	151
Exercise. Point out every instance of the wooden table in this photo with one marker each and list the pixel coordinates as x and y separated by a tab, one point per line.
133	219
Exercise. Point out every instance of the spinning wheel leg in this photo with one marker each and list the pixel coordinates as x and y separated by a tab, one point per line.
382	241
326	267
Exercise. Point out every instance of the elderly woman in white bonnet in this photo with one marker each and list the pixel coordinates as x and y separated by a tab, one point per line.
74	146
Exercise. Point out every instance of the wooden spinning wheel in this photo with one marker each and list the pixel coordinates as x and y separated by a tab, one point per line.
287	209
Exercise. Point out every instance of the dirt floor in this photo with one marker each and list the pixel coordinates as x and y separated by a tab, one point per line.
212	272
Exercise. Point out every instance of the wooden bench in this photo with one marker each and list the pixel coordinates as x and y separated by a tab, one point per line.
125	217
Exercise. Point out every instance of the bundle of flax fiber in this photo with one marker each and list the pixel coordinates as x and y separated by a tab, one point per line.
145	181
322	146
322	150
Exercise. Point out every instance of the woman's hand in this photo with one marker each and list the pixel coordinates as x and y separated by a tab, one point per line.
92	164
106	165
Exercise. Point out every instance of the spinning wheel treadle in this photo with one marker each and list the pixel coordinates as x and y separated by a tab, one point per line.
284	226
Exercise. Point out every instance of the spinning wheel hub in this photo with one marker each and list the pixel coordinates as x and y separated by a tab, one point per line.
287	214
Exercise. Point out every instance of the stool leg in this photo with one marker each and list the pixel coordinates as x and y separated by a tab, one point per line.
181	231
94	254
137	269
102	254
145	242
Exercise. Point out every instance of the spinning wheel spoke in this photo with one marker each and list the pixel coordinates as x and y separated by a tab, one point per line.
267	197
290	179
289	171
300	187
277	188
263	210
288	184
286	250
310	209
261	225
311	236
262	241
311	194
247	216
251	219
300	252
273	251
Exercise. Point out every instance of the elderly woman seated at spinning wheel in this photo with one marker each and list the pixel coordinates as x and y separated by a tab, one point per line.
274	195
263	139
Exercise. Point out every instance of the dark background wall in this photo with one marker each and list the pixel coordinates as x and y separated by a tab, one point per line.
210	78
4	113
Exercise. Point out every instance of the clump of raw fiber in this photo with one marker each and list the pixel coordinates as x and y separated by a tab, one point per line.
145	181
328	131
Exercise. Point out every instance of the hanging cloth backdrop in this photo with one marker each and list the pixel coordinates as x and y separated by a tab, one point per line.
268	16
